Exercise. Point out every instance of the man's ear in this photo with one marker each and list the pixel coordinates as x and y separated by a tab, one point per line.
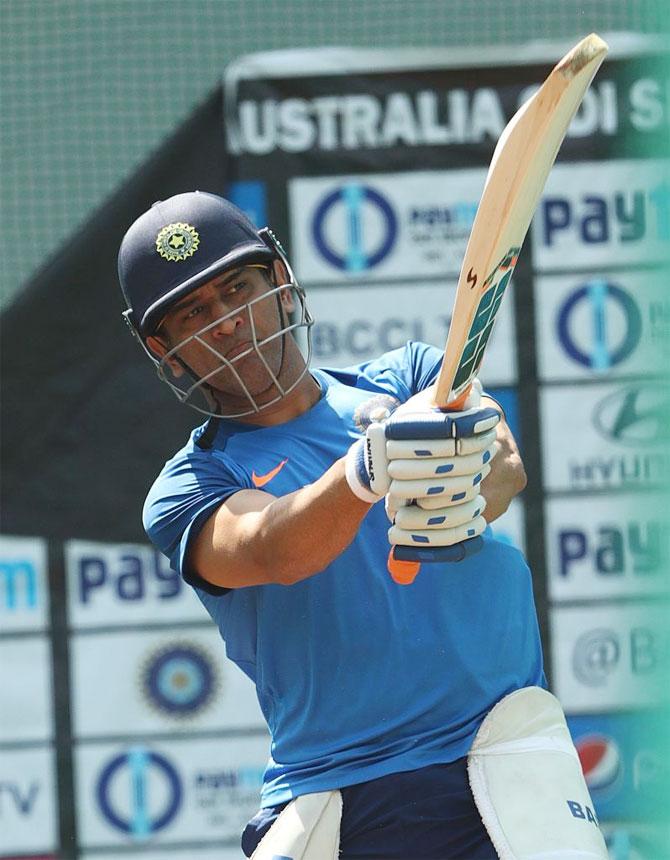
282	277
159	348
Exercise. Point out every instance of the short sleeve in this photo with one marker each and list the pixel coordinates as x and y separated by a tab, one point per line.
185	494
401	372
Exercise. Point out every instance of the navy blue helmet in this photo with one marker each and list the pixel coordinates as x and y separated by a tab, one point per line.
180	244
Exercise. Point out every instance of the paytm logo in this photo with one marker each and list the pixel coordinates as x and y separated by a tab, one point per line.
622	217
603	214
128	576
636	547
18	585
354	227
125	584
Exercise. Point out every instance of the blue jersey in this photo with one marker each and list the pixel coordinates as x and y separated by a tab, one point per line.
356	676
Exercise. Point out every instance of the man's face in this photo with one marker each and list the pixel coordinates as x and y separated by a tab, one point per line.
225	329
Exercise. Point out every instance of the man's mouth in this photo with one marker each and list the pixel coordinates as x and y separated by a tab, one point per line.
238	349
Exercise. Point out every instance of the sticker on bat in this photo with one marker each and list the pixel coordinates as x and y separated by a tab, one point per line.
493	290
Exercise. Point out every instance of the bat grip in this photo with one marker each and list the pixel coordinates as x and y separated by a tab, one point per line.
404	562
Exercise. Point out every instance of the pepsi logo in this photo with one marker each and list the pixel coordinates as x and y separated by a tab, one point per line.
600	759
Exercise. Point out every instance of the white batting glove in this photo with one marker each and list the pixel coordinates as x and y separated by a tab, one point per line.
434	498
416	527
437	458
366	465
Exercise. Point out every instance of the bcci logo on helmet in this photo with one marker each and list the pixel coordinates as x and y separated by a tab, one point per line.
177	242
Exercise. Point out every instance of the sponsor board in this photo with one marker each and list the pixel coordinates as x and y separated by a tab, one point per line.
630	840
606	325
173	681
25	681
28	822
624	763
600	436
24	591
610	655
338	104
232	852
359	323
607	213
601	547
251	197
382	226
121	584
160	793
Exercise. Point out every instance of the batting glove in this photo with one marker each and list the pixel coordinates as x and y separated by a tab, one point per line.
435	457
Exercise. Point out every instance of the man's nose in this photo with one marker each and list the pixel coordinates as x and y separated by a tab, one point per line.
227	323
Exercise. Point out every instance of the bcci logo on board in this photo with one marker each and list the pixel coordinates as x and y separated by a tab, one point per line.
179	680
354	228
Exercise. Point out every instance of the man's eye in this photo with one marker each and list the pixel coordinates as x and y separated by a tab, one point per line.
236	288
194	312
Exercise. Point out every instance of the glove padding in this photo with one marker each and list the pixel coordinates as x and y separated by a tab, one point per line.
437	458
434	497
414	526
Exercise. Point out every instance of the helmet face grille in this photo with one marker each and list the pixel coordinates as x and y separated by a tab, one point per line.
223	391
180	245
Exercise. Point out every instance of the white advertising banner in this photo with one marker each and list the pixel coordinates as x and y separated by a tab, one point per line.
382	226
610	546
28	821
610	656
606	213
162	793
231	852
606	325
600	436
24	588
362	321
123	584
25	682
172	681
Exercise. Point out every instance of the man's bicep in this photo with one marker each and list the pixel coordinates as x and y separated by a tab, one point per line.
222	552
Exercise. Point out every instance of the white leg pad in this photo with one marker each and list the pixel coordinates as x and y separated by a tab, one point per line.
528	784
307	829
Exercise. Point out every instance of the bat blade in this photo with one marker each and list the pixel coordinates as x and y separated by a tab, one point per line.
521	162
519	168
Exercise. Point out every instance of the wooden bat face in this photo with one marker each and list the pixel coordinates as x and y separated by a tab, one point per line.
519	168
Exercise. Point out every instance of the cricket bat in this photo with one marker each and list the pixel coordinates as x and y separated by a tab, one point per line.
521	162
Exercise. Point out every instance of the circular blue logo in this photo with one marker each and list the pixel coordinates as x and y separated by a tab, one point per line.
361	246
596	346
179	680
139	792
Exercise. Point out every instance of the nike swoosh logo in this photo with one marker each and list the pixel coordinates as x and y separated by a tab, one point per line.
261	480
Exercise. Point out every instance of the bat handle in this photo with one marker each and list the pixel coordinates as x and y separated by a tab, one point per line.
404	562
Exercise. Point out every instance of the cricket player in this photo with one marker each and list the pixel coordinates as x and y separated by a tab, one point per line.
407	722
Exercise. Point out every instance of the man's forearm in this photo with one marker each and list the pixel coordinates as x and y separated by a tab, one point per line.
300	534
507	477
